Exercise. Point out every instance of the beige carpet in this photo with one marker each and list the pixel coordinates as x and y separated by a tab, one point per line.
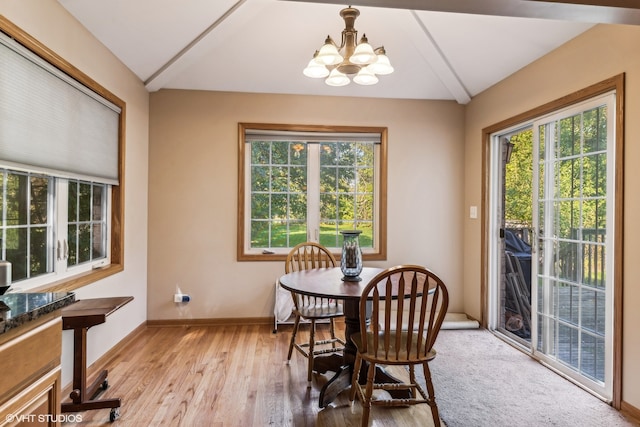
482	381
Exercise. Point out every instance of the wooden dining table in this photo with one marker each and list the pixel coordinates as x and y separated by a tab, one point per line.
329	283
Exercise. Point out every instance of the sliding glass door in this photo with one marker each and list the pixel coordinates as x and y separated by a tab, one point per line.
553	257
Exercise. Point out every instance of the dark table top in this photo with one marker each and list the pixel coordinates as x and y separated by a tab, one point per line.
90	312
327	282
18	308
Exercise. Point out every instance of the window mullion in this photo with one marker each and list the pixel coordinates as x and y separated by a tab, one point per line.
313	192
61	208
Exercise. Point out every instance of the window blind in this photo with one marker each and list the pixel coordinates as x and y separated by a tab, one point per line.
50	123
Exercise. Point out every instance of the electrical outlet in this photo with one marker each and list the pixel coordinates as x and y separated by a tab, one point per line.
181	298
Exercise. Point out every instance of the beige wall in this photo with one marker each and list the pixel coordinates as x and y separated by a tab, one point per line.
602	52
48	22
193	193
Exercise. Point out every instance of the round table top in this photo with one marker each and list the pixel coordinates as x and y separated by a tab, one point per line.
327	282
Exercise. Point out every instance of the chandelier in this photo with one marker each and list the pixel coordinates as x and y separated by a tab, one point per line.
360	60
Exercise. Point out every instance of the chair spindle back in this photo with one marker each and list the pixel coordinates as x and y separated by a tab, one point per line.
408	307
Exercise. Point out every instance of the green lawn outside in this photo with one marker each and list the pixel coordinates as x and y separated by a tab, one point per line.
298	234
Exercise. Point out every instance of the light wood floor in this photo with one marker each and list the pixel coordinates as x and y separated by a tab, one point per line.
219	376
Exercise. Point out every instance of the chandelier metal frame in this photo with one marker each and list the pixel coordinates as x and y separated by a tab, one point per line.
351	58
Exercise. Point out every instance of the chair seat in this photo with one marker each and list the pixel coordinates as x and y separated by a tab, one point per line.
400	358
319	311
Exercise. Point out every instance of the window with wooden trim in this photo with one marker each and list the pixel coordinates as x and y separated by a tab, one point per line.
308	183
61	169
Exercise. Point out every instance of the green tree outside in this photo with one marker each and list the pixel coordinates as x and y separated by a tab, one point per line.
279	192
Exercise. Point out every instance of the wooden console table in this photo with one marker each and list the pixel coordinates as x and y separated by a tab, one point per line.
80	317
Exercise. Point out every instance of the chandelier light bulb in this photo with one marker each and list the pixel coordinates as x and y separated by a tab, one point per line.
329	54
382	66
315	70
365	77
364	53
336	78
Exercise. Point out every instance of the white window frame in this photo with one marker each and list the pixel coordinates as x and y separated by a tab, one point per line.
62	230
57	236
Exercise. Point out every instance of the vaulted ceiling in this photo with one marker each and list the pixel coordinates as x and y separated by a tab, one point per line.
446	50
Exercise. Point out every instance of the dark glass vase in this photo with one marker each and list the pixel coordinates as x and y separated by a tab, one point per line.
351	260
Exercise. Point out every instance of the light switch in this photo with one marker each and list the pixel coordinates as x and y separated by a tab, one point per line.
473	212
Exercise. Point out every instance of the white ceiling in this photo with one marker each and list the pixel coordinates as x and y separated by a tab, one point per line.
263	45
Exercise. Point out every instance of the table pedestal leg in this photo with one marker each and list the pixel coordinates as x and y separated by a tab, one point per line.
343	365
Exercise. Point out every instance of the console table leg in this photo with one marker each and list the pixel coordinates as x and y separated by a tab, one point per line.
79	365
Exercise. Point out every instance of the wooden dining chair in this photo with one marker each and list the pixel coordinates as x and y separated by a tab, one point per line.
401	331
312	309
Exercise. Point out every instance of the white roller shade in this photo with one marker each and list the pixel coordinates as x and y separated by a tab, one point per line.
51	123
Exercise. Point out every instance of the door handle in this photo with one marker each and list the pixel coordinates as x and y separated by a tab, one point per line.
534	240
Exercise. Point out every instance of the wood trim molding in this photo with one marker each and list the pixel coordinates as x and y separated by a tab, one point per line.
630	411
617	84
229	321
381	195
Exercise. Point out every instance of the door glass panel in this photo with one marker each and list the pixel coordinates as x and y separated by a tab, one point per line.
515	299
568	343
572	300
